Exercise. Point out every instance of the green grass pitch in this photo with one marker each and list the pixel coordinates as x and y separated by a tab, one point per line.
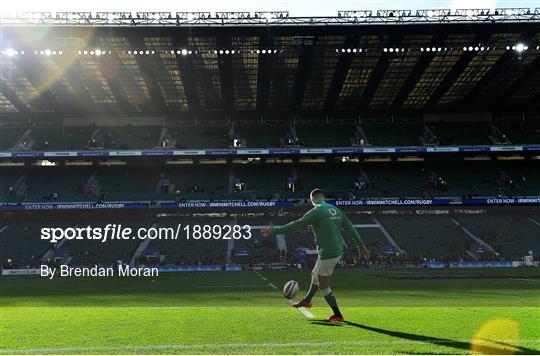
387	311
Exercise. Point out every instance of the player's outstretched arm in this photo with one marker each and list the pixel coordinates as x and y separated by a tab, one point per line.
309	218
349	227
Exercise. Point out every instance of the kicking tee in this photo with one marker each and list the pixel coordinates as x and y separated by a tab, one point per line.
327	221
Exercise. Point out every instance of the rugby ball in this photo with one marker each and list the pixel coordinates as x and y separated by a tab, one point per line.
290	289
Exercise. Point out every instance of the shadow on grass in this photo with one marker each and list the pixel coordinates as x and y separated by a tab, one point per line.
325	323
486	349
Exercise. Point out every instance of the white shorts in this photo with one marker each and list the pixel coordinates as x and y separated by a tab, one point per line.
325	267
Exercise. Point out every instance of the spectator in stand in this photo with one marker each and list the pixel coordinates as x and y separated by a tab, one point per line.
165	185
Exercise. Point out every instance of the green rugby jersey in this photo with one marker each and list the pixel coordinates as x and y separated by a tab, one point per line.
327	221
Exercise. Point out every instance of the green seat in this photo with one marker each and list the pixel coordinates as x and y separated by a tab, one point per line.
199	136
325	135
393	134
9	137
131	137
430	236
462	133
262	136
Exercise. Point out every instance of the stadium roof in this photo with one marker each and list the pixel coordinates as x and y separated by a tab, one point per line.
78	67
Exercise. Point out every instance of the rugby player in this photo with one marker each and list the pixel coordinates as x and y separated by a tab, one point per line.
327	222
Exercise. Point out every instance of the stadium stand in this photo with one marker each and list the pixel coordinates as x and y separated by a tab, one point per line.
260	249
392	134
519	179
191	251
88	253
11	184
261	181
209	181
324	135
471	179
520	132
425	236
78	137
196	137
43	184
512	237
305	93
384	179
371	235
456	133
54	138
10	136
127	183
21	246
301	238
335	180
127	137
430	236
262	136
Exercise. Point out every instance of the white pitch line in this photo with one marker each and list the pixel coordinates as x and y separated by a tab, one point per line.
236	286
263	345
526	279
302	310
534	221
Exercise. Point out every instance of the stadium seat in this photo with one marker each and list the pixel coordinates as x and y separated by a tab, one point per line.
212	181
42	182
22	244
130	137
10	136
262	182
58	138
392	134
125	183
520	132
262	136
322	135
471	178
513	237
89	253
430	236
191	251
461	133
199	136
391	180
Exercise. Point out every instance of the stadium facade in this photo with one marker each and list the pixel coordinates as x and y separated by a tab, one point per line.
399	116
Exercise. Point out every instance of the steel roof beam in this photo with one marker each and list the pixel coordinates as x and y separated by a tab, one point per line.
454	73
341	71
495	69
28	66
419	68
305	62
185	64
530	71
223	41
14	99
379	71
264	73
146	65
